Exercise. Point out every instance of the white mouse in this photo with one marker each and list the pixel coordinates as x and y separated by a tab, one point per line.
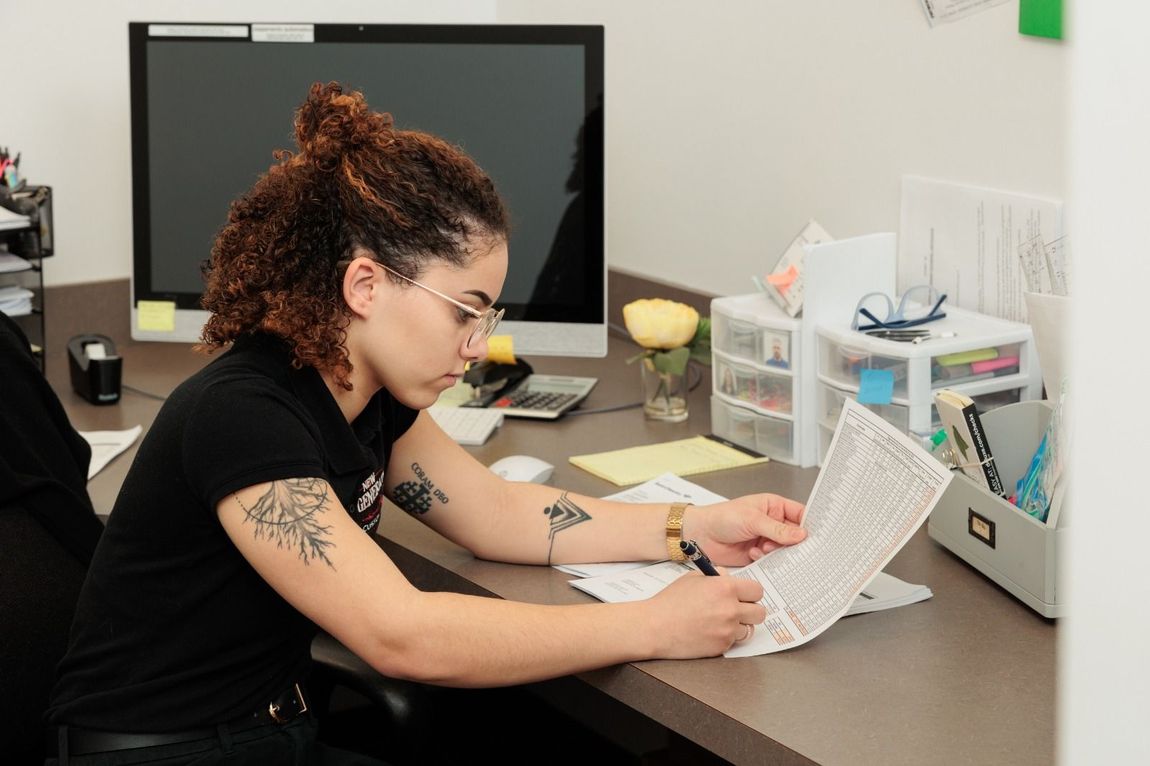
523	468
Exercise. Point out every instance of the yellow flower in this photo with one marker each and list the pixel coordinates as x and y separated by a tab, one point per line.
660	324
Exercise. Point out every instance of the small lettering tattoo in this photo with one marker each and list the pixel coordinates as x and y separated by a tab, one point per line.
563	515
415	496
288	515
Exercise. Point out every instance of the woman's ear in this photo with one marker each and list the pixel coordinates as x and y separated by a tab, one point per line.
360	283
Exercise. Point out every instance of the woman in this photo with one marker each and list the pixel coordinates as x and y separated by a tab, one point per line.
353	283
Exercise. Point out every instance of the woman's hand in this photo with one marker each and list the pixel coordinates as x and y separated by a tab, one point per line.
742	530
697	616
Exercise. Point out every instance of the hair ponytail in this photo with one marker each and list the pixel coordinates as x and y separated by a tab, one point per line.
357	182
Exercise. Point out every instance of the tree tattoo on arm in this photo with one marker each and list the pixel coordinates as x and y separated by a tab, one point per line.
288	515
563	515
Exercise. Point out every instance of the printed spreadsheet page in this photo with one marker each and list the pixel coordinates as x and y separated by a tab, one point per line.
875	489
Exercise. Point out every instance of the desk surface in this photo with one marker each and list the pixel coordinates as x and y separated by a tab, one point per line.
967	676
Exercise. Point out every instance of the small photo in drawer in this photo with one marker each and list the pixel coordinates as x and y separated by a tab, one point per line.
777	349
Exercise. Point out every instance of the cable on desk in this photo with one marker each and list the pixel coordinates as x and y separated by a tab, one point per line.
692	365
140	392
597	410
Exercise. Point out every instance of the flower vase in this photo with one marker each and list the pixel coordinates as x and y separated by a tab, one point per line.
664	393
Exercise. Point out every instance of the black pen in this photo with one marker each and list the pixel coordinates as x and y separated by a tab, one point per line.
695	554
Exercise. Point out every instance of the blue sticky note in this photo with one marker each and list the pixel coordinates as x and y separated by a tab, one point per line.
876	386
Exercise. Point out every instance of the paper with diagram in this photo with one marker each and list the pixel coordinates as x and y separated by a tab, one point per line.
966	241
876	487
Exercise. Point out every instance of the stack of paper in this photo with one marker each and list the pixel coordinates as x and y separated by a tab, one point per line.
10	220
10	263
15	301
887	592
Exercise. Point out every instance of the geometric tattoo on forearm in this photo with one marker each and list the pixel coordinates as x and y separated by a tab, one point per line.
563	515
288	515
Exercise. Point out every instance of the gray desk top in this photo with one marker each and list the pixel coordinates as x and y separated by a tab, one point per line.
965	677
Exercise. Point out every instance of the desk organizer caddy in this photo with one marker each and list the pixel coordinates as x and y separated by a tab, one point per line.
843	355
1012	548
755	360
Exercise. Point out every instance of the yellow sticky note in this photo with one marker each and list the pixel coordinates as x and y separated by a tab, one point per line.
157	316
500	349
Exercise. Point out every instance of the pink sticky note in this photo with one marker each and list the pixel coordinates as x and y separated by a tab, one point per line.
783	280
990	365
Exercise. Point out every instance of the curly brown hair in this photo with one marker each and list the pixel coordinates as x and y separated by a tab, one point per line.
357	182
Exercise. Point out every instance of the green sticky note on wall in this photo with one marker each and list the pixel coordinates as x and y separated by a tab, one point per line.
1041	18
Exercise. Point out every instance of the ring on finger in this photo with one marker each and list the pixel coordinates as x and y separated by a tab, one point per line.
749	629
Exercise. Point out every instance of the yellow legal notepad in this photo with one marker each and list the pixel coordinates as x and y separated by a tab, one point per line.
634	465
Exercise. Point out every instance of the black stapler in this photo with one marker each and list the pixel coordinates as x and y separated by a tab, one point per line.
95	368
491	379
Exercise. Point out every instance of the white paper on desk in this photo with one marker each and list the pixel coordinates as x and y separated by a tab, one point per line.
106	445
876	487
667	488
965	241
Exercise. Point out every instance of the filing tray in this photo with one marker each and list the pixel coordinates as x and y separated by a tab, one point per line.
1009	546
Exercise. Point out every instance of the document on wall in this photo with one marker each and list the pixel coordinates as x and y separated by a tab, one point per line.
667	488
967	242
941	11
875	489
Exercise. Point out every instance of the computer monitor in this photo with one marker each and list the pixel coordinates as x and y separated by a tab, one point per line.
211	102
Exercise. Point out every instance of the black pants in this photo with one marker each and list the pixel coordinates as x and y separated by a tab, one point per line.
292	744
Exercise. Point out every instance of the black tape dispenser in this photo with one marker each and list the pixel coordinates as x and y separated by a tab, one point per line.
95	368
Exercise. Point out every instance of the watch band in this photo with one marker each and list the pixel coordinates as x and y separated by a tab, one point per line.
675	531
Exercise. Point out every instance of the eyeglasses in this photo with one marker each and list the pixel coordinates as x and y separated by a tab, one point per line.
488	320
918	305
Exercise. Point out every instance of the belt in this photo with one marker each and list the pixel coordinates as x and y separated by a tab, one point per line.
281	710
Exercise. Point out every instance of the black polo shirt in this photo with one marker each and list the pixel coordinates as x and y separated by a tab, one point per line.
174	629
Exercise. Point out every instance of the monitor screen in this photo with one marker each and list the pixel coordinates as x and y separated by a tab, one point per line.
211	102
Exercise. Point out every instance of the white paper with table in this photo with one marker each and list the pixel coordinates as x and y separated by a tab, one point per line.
875	489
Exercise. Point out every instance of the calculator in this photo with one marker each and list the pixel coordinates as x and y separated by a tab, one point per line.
543	396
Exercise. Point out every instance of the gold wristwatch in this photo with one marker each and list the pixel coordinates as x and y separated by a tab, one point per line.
675	531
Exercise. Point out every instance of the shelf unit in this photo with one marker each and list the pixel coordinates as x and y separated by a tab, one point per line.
756	350
23	248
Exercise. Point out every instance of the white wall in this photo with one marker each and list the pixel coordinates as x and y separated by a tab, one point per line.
65	103
1105	657
730	123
